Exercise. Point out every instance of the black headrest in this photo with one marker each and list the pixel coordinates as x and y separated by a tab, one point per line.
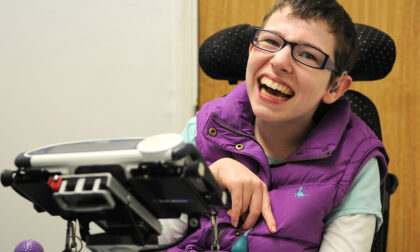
224	55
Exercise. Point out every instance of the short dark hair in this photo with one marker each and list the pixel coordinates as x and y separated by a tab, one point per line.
338	20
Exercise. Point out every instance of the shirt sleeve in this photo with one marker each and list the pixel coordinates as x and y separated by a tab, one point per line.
349	233
173	229
190	131
364	196
351	225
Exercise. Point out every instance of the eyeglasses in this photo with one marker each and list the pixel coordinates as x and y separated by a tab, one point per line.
305	54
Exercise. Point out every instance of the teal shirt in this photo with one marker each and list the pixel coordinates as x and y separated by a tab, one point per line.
364	196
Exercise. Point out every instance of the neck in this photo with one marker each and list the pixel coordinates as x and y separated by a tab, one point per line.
279	140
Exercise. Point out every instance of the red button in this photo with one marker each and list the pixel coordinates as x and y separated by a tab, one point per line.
55	182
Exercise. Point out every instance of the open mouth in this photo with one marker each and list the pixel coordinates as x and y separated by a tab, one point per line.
275	90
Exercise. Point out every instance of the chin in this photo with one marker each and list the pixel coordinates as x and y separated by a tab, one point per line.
263	113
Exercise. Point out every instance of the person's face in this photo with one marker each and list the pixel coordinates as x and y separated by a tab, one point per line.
299	88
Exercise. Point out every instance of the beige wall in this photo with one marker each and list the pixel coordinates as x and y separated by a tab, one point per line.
77	70
397	97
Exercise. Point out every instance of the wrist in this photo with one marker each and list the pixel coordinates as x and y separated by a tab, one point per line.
214	169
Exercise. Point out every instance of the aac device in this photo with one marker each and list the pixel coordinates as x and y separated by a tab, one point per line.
123	185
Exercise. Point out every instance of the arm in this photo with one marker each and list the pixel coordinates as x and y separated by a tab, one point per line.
174	229
349	233
351	225
242	189
249	193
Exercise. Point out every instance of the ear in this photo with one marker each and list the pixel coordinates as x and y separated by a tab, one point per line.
251	46
334	93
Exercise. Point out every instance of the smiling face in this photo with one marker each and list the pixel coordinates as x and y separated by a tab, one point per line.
281	89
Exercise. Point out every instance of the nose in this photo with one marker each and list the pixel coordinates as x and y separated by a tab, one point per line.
281	62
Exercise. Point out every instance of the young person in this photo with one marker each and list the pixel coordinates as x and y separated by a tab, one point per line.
303	172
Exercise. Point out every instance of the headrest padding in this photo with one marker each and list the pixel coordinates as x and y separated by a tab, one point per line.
224	55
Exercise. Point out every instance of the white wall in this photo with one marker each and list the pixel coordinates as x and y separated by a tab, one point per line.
88	69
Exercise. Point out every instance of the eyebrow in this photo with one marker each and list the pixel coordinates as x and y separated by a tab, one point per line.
303	43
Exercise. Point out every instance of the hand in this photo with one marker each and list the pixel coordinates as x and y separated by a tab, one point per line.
249	193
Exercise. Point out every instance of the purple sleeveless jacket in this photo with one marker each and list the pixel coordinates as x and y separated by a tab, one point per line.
303	189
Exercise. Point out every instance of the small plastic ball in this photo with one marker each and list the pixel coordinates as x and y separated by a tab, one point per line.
29	246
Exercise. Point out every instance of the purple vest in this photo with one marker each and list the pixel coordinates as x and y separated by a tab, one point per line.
303	189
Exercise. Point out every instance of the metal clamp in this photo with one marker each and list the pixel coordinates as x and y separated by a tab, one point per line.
215	244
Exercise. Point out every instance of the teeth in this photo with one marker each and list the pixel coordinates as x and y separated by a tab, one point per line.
281	98
276	86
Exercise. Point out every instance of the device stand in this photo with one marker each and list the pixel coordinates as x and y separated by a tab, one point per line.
70	237
215	244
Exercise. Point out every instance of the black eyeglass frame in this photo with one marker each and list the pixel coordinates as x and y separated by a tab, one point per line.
327	64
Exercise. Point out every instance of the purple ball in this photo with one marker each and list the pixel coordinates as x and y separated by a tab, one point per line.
29	246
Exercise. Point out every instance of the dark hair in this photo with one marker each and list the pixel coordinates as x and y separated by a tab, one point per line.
337	19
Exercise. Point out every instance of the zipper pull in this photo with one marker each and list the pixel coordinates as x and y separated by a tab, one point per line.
241	245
